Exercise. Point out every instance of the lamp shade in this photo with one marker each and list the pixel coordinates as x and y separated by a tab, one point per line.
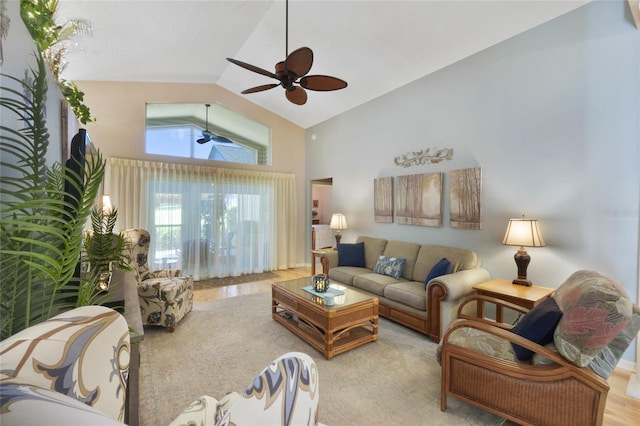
338	221
106	204
524	233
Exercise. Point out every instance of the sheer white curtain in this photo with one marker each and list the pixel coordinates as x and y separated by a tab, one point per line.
210	222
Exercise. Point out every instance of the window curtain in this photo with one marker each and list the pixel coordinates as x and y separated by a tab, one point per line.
207	221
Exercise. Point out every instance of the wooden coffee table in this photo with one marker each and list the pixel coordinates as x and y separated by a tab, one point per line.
351	322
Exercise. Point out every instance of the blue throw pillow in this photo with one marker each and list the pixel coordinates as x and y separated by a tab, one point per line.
390	266
443	267
538	326
351	255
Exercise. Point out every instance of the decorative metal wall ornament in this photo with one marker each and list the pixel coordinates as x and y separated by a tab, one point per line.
425	156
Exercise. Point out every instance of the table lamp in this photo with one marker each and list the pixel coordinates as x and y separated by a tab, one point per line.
338	222
524	233
107	208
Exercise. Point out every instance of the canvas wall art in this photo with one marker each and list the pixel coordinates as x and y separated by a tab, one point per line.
383	199
419	199
465	194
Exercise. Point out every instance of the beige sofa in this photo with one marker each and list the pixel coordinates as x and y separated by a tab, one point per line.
425	307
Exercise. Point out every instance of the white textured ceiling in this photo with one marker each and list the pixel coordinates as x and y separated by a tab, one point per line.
376	46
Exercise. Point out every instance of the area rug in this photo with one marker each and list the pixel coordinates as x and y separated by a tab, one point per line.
220	346
221	282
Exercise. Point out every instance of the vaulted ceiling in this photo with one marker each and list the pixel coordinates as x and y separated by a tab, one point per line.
376	46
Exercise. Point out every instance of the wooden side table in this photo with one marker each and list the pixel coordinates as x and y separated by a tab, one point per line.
317	253
525	296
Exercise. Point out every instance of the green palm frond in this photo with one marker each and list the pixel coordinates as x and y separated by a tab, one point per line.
41	226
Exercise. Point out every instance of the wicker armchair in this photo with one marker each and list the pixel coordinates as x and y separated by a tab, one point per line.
165	295
564	382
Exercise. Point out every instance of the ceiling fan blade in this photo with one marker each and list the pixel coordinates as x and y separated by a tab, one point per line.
252	68
299	61
322	83
221	139
260	88
203	140
296	95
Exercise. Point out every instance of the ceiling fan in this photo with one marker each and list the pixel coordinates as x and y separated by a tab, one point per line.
292	73
208	136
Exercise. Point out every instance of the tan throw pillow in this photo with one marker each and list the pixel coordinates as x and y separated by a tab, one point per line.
595	310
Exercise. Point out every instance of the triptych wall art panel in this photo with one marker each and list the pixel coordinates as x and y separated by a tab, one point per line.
418	199
465	194
383	199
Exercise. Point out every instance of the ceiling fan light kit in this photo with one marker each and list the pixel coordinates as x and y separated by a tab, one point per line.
292	73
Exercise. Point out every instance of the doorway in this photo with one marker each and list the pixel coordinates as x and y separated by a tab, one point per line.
321	209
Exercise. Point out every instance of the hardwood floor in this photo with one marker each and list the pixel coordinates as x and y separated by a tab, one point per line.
621	409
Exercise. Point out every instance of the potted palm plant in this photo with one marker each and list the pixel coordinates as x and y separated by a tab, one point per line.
42	211
103	251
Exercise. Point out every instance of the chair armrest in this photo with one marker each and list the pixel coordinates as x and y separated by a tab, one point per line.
459	284
163	273
509	336
499	303
202	411
82	353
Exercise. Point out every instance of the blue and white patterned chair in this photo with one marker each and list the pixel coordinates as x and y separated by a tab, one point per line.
285	393
165	295
70	368
73	369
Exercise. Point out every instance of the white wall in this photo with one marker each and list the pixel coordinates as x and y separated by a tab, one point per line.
551	116
19	58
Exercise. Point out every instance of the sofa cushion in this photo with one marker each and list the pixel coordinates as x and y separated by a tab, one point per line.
595	310
373	248
373	283
351	255
404	250
391	266
429	254
410	293
345	274
538	326
443	267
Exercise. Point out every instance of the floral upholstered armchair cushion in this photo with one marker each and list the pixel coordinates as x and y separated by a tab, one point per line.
482	342
77	359
595	310
284	393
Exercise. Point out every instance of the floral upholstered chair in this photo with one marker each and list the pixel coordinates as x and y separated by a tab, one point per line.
284	393
70	369
165	295
551	368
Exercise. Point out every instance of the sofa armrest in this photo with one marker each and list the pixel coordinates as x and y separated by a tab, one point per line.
329	260
460	283
444	294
